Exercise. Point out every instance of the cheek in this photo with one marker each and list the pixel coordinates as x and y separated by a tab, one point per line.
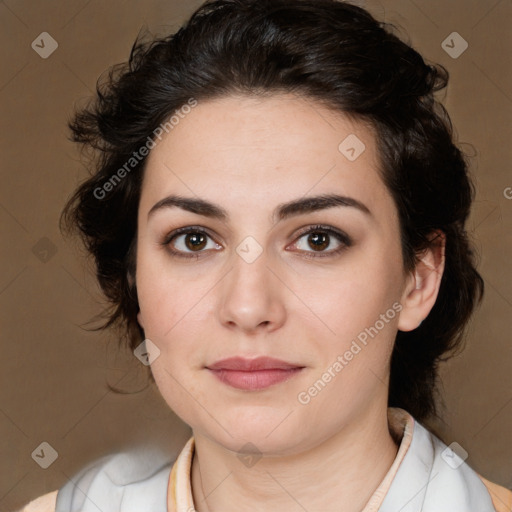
360	305
178	368
354	363
167	298
355	298
173	312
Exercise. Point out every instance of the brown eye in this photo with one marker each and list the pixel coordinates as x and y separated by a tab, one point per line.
318	241
189	242
195	241
324	241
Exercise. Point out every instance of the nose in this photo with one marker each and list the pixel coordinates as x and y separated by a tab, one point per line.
251	297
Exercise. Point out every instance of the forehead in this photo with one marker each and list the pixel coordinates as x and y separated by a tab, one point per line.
259	148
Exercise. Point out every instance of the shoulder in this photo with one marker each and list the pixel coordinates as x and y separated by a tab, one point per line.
45	503
129	481
501	496
455	476
133	479
432	477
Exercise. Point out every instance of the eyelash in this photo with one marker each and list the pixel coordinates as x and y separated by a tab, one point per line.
342	237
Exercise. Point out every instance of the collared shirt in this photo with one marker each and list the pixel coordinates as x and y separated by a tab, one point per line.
425	476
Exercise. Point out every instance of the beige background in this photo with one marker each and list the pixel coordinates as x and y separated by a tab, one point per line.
55	374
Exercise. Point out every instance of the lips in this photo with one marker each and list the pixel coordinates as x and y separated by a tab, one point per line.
249	365
253	374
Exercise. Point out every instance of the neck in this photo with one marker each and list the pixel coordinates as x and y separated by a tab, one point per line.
341	473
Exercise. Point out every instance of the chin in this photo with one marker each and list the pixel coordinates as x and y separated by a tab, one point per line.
267	434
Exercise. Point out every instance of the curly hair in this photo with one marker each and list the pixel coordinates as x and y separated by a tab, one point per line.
325	50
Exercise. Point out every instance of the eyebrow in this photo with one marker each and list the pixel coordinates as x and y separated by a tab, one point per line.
282	211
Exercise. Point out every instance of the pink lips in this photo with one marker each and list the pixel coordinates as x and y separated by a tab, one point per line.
253	374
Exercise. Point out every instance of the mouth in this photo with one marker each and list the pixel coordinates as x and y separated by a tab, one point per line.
253	374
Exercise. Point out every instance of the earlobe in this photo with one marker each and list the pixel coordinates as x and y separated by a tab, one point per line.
423	284
139	320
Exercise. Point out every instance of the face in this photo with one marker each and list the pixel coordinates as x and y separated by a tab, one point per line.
254	266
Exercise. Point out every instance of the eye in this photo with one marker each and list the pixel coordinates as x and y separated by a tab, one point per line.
189	242
318	239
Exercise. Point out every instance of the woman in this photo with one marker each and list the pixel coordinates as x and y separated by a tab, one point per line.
278	210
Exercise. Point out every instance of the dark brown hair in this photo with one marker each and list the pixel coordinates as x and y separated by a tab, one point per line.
326	50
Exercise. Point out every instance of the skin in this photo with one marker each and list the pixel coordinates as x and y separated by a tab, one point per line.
250	155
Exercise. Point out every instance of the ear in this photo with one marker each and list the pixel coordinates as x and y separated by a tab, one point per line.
131	285
422	287
139	319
